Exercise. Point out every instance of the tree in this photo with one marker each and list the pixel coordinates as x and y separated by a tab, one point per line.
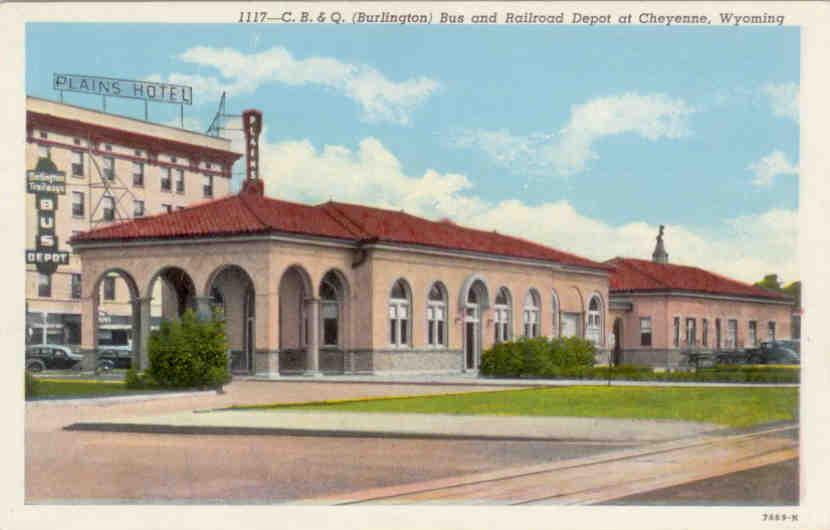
771	282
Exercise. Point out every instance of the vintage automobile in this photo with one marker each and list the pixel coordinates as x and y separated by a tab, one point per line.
112	358
773	352
51	357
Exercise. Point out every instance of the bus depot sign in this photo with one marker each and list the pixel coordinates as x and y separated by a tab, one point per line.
46	185
123	88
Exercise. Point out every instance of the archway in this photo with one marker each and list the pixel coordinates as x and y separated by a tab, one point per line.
117	320
476	301
233	299
172	296
294	292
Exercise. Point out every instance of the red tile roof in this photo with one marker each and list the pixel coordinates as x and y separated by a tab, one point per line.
250	213
637	275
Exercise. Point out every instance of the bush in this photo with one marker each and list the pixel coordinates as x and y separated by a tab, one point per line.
188	353
139	381
538	357
32	385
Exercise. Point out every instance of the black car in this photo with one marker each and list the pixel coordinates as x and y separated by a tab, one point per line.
114	358
773	353
51	357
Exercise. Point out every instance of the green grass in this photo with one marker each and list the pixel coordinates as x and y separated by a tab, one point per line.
65	388
735	407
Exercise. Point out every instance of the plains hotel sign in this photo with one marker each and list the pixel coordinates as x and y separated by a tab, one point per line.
123	88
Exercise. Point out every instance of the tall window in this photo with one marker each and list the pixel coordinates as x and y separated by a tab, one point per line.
676	333
109	168
77	164
731	334
771	330
180	181
44	285
718	334
645	331
704	332
554	314
76	286
331	290
108	206
138	174
502	311
436	315
207	185
399	314
593	329
109	288
530	314
77	204
691	332
138	208
166	178
752	335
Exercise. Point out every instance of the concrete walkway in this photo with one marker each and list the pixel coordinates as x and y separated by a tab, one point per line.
354	424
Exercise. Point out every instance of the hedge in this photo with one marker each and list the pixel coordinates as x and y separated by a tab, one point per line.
540	357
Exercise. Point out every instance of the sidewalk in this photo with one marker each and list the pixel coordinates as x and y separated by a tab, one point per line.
446	426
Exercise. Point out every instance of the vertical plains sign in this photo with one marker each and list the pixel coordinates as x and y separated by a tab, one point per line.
123	88
46	183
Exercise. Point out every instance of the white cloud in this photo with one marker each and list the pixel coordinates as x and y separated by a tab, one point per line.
568	151
745	247
770	166
380	99
783	98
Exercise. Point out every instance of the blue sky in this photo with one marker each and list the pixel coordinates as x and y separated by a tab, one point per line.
582	138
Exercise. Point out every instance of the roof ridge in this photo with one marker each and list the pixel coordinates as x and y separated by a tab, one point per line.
242	198
648	275
343	219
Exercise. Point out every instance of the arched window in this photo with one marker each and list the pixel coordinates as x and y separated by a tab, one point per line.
399	314
555	316
593	328
437	315
501	312
531	314
331	290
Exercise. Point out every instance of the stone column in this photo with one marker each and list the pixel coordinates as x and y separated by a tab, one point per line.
144	334
89	331
203	310
313	350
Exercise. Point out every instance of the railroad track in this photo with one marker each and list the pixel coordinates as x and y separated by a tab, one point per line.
596	478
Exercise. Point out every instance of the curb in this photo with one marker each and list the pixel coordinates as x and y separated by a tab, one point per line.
115	399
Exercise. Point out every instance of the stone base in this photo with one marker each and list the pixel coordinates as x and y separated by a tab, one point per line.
267	363
89	361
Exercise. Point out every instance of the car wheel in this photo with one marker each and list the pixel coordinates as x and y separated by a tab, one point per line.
35	367
756	359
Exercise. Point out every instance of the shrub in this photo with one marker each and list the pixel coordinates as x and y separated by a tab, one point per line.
139	381
32	385
538	357
189	353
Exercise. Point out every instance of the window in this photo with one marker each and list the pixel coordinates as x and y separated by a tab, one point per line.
691	332
718	334
166	177
593	329
179	181
645	331
77	164
76	286
166	208
331	291
44	135
108	147
555	316
207	185
109	288
399	314
109	168
138	152
76	141
771	330
502	312
731	334
704	332
138	174
77	204
44	285
138	208
43	151
752	336
676	334
174	159
108	205
436	315
531	314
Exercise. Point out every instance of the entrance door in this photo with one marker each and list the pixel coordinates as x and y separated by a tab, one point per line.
472	343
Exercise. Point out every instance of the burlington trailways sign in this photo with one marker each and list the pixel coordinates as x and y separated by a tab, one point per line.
46	183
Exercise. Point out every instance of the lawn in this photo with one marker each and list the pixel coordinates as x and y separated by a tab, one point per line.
65	388
735	407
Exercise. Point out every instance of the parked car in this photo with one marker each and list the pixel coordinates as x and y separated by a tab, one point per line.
793	344
51	357
114	357
773	352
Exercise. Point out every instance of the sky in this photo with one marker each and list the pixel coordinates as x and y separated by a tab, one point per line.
582	138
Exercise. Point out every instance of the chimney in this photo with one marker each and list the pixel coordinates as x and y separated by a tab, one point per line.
252	127
660	255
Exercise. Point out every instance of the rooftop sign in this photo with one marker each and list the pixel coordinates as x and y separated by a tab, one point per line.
123	88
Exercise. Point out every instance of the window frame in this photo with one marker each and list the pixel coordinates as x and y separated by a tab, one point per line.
109	172
75	286
207	188
78	208
503	316
138	174
180	185
646	331
139	209
108	287
77	167
436	317
532	314
596	316
44	285
400	327
108	214
166	182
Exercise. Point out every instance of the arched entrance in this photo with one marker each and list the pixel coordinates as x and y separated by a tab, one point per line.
476	301
233	299
174	294
618	338
294	293
117	319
